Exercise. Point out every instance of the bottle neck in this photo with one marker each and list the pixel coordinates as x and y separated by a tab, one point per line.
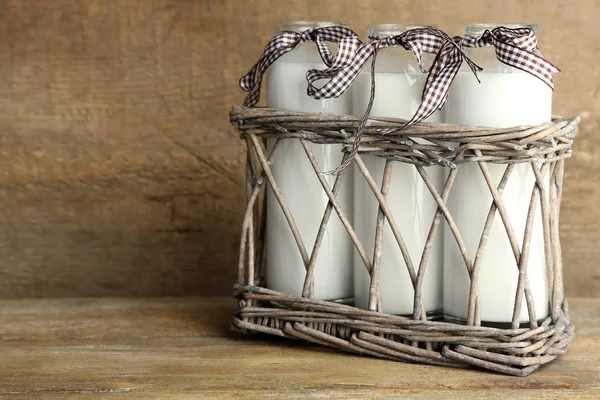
479	29
301	26
396	60
386	30
485	57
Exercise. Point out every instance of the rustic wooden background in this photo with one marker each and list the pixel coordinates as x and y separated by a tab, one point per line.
119	173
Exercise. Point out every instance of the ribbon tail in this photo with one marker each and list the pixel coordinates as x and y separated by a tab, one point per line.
474	67
326	55
531	62
361	126
342	74
443	71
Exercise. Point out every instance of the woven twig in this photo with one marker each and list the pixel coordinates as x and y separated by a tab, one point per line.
515	351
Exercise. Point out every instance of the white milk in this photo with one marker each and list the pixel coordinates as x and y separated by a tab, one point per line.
506	97
398	88
303	193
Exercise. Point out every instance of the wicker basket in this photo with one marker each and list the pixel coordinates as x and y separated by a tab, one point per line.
515	351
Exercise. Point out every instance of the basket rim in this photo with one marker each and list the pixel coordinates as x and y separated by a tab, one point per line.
239	115
424	143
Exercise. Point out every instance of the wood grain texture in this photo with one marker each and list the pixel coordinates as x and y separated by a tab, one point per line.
120	174
182	348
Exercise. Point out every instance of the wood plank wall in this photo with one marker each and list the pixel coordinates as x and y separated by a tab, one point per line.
119	173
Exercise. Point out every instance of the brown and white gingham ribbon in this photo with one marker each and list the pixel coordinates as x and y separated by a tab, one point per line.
514	47
417	40
342	74
287	41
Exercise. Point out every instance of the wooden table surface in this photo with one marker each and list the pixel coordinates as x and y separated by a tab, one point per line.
182	348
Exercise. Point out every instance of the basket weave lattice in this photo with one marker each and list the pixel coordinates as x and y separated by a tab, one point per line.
516	350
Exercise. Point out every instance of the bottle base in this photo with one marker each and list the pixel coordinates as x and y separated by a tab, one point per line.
348	301
490	324
435	315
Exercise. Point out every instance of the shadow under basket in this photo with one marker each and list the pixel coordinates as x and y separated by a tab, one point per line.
516	350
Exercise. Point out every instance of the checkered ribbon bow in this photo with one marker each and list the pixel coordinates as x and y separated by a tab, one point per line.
342	74
350	60
515	47
288	41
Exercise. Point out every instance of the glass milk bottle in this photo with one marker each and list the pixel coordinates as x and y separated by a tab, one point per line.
399	85
506	97
300	187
